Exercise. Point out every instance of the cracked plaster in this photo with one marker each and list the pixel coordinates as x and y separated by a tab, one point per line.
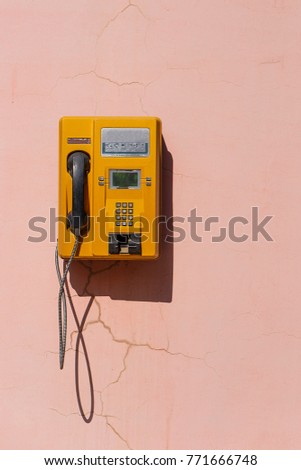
224	77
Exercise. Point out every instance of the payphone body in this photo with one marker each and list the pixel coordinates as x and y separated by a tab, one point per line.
120	190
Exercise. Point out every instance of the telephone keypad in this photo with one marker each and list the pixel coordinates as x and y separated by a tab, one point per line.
127	211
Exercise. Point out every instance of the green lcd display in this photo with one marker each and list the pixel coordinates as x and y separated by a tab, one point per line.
124	179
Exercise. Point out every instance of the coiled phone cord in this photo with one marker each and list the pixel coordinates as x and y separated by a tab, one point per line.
62	300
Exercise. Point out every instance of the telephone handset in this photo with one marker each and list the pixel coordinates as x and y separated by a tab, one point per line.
78	166
109	193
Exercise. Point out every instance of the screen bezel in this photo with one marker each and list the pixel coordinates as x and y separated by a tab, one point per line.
115	170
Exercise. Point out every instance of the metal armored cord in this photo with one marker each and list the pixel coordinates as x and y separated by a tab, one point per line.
62	300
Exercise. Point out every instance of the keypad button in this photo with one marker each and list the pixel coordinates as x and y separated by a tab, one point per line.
130	224
130	211
118	224
130	217
118	204
117	211
124	217
130	204
118	217
124	211
124	204
124	224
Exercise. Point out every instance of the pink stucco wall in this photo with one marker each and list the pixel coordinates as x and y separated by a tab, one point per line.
205	350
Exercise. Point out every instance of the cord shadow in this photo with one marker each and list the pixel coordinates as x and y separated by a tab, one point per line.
150	280
80	340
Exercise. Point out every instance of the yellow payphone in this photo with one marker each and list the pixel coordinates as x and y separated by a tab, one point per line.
109	187
109	193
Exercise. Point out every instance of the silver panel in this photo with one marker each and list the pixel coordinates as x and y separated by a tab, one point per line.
124	142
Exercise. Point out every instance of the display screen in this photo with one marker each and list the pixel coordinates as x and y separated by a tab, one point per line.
124	179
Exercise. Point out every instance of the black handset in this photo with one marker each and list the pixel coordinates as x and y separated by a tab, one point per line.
78	165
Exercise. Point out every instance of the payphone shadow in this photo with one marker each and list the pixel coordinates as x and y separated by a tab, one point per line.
149	281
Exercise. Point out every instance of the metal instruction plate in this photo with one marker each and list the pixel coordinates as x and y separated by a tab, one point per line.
124	142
